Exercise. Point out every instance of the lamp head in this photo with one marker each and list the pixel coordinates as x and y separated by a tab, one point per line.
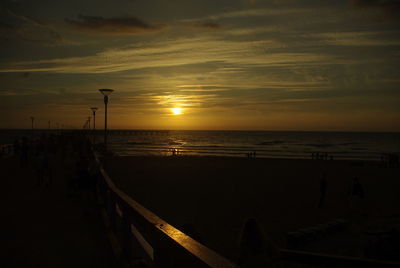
106	91
94	109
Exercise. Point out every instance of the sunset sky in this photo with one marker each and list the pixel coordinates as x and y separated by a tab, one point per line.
228	64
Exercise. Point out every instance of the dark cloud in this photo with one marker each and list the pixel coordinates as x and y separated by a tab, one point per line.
122	25
207	25
5	31
390	7
18	27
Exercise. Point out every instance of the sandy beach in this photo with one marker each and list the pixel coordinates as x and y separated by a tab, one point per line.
218	194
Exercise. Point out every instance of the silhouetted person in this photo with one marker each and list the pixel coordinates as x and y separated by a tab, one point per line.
357	189
255	249
323	185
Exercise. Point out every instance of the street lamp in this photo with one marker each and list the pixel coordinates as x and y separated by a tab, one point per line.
105	92
94	109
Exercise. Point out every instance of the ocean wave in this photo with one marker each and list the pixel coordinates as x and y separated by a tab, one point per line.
320	145
140	143
134	143
265	144
151	144
270	142
358	149
206	146
348	143
174	143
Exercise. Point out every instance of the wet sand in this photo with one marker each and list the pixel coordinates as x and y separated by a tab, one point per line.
217	195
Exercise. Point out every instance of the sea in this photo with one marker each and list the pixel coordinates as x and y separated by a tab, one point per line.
260	144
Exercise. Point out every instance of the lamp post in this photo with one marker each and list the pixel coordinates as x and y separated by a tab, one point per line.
94	109
88	119
105	92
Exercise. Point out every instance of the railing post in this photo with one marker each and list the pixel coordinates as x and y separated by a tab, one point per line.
126	235
145	238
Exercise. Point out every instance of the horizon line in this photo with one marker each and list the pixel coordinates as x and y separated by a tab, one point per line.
237	130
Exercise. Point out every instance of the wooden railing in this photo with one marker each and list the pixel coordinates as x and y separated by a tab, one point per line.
142	236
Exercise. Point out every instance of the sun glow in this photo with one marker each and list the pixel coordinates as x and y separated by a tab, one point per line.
176	111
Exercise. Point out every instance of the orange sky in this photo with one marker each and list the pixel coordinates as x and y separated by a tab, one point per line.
252	65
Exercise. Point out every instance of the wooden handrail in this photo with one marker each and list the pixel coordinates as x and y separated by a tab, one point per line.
209	257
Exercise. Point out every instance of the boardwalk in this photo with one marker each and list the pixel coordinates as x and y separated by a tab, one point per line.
49	226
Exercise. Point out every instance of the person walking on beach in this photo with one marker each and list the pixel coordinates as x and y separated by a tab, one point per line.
323	185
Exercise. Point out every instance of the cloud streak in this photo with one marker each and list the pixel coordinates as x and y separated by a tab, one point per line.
174	53
116	25
207	25
18	27
390	7
359	39
250	13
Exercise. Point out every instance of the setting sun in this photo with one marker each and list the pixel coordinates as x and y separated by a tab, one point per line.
176	111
